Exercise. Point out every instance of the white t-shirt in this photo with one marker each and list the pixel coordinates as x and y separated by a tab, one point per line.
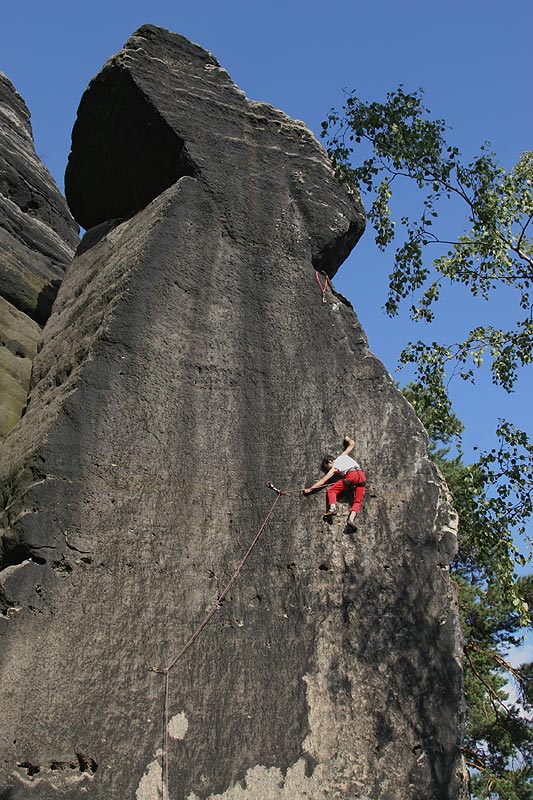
344	464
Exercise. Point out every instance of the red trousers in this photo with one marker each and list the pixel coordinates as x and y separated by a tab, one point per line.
355	478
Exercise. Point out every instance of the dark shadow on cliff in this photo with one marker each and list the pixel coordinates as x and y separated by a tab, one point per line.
129	154
96	234
414	641
45	301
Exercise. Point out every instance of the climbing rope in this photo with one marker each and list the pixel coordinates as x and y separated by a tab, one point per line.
211	612
324	287
205	621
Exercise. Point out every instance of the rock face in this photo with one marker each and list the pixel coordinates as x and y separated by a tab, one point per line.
37	239
190	359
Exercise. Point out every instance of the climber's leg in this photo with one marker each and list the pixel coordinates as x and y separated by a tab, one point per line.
333	490
359	493
357	479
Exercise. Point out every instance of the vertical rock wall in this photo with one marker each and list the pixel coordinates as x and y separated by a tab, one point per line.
188	360
37	239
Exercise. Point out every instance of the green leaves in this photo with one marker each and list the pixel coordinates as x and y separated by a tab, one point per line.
496	248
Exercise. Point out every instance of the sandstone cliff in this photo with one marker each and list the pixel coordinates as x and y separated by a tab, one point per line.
37	239
189	359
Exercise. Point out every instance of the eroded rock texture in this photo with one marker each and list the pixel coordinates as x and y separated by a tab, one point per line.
37	239
189	360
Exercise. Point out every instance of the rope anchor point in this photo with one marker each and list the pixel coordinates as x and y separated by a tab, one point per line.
324	287
270	485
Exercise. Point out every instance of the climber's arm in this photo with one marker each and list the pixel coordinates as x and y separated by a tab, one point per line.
351	444
319	483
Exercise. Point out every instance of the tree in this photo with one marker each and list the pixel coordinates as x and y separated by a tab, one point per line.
495	252
375	145
498	743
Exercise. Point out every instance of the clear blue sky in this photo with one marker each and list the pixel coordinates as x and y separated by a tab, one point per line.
473	59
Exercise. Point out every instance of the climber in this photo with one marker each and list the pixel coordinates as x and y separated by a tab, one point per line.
349	475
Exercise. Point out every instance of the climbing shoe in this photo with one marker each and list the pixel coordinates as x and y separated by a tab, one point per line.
351	521
331	512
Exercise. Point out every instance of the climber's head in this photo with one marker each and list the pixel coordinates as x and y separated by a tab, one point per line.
327	463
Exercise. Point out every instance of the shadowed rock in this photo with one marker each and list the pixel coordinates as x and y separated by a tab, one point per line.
18	336
188	361
37	234
37	240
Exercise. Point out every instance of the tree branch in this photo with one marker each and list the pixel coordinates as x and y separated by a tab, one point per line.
519	243
491	693
517	675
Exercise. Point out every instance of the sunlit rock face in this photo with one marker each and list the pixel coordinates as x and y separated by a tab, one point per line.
37	240
189	360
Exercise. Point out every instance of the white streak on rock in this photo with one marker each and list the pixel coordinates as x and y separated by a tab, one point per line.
150	785
178	726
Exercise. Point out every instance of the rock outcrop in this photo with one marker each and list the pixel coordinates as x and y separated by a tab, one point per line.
189	359
37	240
